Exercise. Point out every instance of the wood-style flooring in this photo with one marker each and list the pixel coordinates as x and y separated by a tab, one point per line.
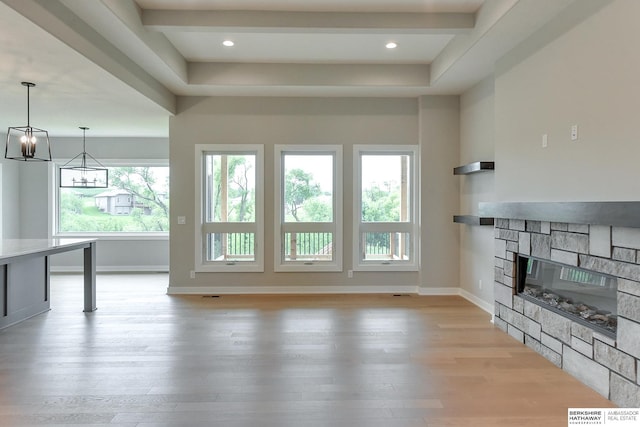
148	359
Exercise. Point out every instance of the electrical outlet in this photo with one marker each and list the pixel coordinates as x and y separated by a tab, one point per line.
544	140
574	132
192	274
350	274
182	220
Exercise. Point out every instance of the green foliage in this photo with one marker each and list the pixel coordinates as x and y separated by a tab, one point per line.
298	188
140	182
95	223
304	200
317	209
71	203
78	211
240	189
381	204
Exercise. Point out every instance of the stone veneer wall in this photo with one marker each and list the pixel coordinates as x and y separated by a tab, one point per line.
609	366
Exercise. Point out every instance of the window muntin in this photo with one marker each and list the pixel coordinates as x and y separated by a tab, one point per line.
386	232
230	235
136	201
309	208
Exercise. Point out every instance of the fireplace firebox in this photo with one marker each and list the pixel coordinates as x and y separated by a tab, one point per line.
587	297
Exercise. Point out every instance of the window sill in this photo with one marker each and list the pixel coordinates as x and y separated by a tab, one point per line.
116	236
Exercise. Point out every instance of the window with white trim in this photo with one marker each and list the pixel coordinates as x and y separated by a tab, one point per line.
135	203
308	218
230	230
386	227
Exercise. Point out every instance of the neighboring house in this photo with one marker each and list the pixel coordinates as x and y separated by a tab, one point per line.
115	202
146	210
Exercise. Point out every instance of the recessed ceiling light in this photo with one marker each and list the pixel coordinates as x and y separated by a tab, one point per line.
391	45
228	43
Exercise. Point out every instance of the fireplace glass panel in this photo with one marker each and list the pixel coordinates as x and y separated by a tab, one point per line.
586	296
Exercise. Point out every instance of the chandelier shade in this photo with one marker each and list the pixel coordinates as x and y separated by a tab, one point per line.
27	143
83	175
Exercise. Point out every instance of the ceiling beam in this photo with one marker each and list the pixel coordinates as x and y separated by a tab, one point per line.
119	22
488	16
315	75
500	27
58	20
293	22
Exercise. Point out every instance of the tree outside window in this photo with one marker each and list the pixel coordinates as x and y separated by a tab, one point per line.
230	196
137	201
309	208
230	223
385	228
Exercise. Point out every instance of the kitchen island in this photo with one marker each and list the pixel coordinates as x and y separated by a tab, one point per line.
24	276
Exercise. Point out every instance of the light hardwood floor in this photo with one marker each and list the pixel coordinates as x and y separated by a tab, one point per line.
148	359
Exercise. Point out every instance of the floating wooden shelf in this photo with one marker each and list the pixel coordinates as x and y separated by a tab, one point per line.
474	167
473	219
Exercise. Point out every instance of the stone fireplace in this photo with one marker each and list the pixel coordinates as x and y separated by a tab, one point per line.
602	239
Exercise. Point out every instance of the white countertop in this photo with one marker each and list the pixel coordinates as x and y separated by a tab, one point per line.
16	247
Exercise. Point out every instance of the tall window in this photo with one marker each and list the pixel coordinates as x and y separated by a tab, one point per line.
308	220
386	232
230	235
137	201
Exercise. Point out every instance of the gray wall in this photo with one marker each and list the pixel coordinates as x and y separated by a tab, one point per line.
10	193
35	200
587	76
477	144
270	121
582	68
440	150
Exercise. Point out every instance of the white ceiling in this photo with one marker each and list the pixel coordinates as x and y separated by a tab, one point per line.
409	6
117	66
335	48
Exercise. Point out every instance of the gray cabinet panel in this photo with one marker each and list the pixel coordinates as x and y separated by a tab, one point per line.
25	289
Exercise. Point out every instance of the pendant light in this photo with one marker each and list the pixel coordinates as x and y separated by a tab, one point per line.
83	175
22	141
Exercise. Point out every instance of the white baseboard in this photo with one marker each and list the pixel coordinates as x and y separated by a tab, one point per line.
265	290
460	292
489	308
